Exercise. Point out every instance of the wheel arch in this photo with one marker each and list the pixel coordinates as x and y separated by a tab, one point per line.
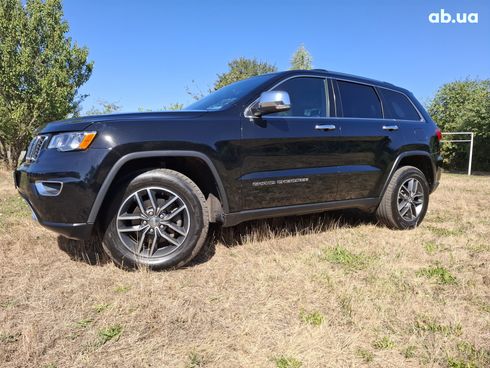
135	163
420	159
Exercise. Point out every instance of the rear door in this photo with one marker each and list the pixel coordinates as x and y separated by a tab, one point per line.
398	107
368	143
289	158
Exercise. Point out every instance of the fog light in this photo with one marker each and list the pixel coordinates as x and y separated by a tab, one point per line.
49	188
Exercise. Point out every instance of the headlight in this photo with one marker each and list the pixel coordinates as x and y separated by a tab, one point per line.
72	141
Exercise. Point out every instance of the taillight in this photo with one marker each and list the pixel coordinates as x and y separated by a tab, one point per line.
438	134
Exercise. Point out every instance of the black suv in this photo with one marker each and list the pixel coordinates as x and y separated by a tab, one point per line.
286	143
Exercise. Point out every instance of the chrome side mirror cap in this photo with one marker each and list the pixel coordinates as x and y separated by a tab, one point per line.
272	101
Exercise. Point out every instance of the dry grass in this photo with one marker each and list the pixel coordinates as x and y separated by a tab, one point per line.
330	290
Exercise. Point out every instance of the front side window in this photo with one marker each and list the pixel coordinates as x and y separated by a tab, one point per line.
359	100
397	106
307	95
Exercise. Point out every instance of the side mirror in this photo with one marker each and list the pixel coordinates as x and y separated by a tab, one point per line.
272	101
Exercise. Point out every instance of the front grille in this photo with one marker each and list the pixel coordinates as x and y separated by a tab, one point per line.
35	148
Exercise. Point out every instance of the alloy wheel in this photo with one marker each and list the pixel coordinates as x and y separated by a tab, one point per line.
153	222
410	199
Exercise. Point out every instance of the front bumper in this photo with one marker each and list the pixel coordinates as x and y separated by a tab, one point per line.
80	231
66	212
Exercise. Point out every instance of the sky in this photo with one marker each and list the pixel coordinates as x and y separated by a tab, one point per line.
147	52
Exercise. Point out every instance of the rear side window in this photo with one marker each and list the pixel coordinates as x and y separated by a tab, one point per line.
359	100
308	97
397	106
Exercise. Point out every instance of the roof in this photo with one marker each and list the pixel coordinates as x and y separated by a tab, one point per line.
347	76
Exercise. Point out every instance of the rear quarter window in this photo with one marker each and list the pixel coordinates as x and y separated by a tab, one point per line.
397	106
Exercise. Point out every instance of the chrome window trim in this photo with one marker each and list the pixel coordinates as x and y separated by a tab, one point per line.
247	114
299	117
332	79
350	118
337	118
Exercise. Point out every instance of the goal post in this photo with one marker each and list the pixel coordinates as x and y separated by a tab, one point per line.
468	139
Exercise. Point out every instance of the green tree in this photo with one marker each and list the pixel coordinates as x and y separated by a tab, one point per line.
301	59
173	107
464	106
242	68
41	70
105	108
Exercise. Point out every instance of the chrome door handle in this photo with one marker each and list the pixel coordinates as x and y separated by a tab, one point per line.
390	127
324	127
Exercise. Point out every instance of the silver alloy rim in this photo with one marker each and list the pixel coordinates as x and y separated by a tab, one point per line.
153	222
410	199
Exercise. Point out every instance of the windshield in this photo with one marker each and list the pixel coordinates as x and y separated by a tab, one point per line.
228	95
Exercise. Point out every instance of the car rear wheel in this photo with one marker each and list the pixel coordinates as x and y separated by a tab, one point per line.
405	201
161	222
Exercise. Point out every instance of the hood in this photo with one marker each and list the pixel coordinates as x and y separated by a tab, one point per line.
83	123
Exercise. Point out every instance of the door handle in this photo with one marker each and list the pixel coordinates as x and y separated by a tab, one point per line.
390	127
324	127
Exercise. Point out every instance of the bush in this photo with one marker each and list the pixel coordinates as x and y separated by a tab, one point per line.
464	106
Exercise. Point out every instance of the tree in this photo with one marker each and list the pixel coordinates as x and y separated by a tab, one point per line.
173	107
301	59
41	70
464	106
107	108
242	68
196	93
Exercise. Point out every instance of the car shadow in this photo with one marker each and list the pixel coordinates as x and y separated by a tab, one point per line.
283	227
92	252
87	251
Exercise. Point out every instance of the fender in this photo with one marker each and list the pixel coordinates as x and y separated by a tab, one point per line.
397	161
146	154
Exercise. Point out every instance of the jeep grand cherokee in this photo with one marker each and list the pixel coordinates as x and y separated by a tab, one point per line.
286	143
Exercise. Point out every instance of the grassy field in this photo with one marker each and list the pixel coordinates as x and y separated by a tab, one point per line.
331	290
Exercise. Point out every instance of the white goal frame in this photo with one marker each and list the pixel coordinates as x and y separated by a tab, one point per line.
458	140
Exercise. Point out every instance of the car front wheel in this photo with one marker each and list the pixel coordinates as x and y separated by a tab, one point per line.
161	222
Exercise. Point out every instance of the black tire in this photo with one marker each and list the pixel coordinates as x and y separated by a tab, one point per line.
196	213
387	211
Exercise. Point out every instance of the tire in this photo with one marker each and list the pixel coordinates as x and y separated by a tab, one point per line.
409	190
176	215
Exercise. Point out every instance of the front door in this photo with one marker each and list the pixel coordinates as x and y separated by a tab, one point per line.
289	158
